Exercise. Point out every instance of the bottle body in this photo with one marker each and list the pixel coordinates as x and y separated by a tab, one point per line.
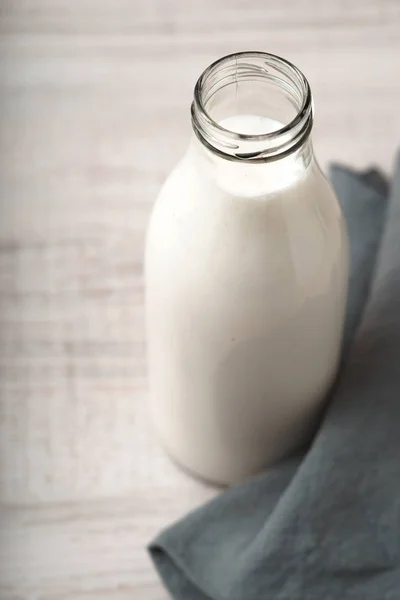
246	282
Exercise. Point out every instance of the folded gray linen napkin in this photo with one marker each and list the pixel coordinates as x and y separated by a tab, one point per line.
324	525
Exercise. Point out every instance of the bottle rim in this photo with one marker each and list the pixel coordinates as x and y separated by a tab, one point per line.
263	147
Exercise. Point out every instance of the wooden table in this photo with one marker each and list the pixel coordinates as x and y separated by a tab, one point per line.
94	112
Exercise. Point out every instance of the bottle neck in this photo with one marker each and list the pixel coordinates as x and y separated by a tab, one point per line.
252	107
251	179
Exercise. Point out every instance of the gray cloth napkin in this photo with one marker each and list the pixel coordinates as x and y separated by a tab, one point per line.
325	525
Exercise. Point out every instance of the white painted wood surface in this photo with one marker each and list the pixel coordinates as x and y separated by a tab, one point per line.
94	100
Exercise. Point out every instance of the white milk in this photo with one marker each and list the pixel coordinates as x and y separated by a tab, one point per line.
246	273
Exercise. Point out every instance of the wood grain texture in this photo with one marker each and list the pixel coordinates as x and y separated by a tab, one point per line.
94	112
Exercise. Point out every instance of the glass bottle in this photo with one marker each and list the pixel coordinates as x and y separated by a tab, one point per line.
246	275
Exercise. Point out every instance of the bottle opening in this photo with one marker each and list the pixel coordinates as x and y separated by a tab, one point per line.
252	107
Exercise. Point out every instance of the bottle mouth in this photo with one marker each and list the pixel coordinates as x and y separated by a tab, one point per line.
258	84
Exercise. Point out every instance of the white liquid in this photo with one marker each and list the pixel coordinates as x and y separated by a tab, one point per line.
246	273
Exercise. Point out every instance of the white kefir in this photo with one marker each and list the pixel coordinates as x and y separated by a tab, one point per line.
246	276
